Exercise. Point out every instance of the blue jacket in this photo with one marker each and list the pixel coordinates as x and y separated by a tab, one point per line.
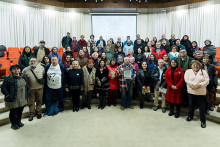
58	56
63	71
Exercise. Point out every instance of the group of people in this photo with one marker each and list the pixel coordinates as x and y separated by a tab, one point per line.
175	69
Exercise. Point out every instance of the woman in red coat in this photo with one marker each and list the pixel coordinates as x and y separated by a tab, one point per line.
113	82
174	77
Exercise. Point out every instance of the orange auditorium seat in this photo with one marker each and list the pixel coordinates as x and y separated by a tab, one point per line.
5	69
14	61
13	49
61	49
21	49
13	55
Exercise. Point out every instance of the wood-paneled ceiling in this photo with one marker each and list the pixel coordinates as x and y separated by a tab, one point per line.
115	3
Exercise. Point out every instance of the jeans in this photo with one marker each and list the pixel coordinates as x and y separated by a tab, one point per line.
126	95
200	100
49	97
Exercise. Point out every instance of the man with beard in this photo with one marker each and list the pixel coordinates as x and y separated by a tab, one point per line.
82	59
34	72
41	51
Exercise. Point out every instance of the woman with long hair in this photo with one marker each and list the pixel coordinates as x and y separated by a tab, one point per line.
25	57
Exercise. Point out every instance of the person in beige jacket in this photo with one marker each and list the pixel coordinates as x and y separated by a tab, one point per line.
197	81
36	89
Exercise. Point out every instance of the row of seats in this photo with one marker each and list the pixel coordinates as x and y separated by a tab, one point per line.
11	58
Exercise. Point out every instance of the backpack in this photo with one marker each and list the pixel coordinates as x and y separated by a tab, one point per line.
2	50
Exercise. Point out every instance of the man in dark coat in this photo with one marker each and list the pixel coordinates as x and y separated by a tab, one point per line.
66	40
210	49
137	45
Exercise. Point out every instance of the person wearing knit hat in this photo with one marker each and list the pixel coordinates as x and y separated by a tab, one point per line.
16	89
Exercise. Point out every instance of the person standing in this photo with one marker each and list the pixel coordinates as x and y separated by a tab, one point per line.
126	74
55	53
197	81
101	41
89	72
35	75
174	77
113	82
15	87
158	76
143	83
55	81
74	84
66	41
102	83
41	51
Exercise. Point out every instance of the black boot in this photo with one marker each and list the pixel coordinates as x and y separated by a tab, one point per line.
13	121
177	114
171	112
77	108
19	116
74	108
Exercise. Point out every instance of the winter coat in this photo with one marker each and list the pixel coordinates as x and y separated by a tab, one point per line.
83	61
191	52
74	79
47	51
89	78
98	42
213	78
81	44
136	46
187	44
64	41
211	49
74	46
155	75
140	58
103	78
151	65
141	81
161	54
174	96
166	48
167	41
21	61
113	83
186	63
9	88
172	42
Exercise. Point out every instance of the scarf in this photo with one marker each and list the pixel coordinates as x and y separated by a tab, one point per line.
27	57
54	54
107	51
185	67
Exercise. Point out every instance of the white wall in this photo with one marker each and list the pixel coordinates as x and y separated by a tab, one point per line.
21	26
199	23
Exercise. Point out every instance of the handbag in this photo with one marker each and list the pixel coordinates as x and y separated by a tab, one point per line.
40	81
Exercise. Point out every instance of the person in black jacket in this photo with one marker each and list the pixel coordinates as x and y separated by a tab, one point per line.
143	83
74	84
66	41
137	45
158	76
119	53
25	57
213	82
165	46
187	43
172	40
102	83
41	51
139	57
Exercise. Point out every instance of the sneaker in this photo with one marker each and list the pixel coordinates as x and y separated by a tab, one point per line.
39	116
61	110
163	109
155	108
